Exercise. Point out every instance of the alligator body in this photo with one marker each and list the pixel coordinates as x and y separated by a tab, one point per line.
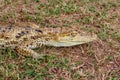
25	37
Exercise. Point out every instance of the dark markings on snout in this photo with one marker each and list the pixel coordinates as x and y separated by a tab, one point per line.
38	30
17	36
22	33
9	27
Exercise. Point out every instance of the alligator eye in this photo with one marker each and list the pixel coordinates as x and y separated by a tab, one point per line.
73	34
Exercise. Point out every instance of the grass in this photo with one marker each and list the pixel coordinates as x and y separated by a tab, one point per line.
99	60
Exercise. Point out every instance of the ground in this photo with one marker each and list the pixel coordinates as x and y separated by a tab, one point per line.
98	60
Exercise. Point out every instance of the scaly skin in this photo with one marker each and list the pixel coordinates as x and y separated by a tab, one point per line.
23	37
